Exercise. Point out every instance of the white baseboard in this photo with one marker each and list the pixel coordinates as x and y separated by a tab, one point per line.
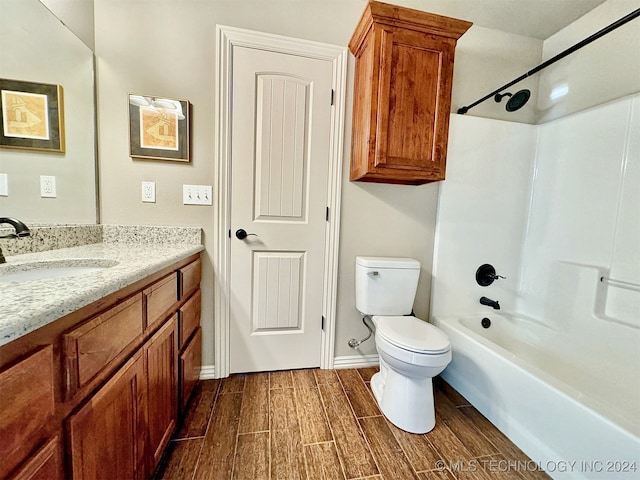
356	361
207	372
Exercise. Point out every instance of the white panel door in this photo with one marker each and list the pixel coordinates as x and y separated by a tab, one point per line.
279	178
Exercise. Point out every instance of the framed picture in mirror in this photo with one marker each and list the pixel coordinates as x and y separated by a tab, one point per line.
31	116
158	128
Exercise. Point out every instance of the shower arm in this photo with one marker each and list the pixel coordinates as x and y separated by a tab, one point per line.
561	55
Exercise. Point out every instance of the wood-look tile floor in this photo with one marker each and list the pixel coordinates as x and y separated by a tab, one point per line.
325	424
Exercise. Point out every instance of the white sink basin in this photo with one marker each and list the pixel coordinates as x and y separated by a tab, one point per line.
33	271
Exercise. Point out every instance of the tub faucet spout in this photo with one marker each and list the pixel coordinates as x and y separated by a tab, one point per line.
490	303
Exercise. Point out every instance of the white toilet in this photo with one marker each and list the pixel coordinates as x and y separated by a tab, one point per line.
411	350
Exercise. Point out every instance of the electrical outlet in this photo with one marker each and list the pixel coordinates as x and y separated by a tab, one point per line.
197	195
47	186
4	185
149	192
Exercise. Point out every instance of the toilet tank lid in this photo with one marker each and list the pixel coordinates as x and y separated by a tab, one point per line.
388	262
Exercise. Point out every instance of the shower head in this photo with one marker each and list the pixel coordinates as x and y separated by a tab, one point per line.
517	100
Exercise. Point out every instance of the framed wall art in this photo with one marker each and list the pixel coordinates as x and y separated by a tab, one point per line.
158	128
31	116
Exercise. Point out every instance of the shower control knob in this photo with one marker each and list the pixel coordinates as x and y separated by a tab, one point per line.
486	274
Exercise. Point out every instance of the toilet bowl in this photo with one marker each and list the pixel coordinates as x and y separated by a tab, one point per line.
403	387
411	351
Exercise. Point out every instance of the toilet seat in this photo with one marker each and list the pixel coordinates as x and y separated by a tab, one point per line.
412	334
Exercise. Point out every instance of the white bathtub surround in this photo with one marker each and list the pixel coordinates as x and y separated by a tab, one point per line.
554	208
539	400
482	210
585	209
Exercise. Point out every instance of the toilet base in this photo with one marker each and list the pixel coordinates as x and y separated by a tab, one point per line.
406	402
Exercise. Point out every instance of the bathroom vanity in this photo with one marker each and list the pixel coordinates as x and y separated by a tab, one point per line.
98	389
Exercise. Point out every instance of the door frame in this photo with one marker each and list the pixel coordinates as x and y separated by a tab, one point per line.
227	39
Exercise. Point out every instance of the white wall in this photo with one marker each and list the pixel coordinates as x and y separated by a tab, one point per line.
602	71
486	59
168	48
77	15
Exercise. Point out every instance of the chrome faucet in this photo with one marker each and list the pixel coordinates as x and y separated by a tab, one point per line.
21	230
490	303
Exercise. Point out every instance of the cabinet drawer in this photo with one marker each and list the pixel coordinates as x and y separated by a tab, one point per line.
45	464
159	297
26	405
90	347
189	317
190	363
190	277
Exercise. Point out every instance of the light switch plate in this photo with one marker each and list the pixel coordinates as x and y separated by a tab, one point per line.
197	195
48	186
4	185
149	192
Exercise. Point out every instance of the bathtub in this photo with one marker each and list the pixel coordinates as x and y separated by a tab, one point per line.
576	415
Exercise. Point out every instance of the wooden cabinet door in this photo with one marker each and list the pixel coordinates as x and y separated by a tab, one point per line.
107	435
413	105
190	364
27	404
162	383
45	464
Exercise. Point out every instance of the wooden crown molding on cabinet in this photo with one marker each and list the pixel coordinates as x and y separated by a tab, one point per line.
402	94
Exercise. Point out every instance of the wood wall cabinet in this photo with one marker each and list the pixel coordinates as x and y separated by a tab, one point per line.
402	94
98	391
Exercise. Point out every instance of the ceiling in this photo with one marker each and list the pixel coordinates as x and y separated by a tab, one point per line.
531	18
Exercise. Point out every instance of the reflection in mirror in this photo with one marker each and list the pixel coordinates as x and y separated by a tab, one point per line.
36	47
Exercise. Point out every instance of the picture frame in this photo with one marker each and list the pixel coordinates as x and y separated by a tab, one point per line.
31	116
158	128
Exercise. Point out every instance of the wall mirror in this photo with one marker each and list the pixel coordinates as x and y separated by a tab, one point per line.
36	47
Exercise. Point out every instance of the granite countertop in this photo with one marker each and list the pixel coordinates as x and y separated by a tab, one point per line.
28	305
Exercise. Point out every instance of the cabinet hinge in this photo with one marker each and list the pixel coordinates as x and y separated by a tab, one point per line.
332	94
327	214
322	323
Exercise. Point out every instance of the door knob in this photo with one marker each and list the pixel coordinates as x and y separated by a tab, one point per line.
241	234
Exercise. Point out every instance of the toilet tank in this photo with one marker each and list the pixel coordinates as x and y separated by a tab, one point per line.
386	285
